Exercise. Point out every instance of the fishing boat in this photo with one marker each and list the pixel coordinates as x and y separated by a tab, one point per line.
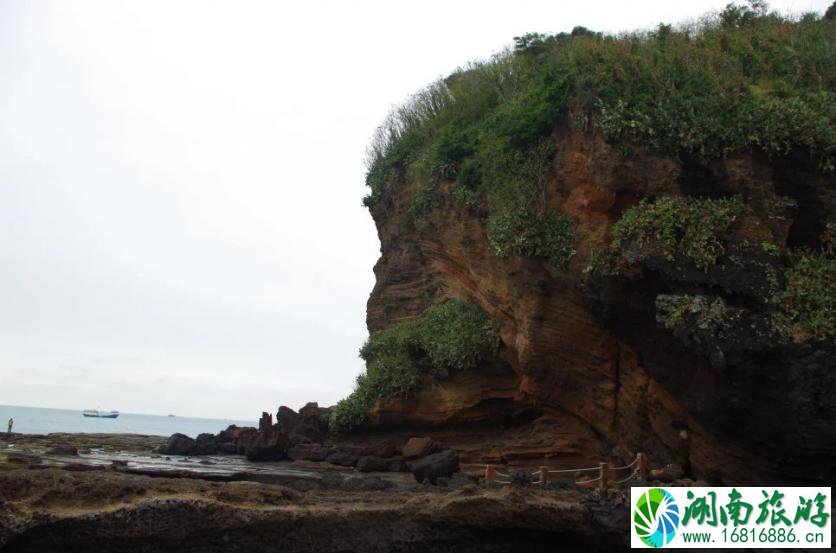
99	414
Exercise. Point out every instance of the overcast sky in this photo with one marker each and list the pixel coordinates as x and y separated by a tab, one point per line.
180	184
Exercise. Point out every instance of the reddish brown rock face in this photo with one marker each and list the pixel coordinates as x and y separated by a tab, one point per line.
600	375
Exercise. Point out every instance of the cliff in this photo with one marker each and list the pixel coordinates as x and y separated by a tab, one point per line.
586	357
651	239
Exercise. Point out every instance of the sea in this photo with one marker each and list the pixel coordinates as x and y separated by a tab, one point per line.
40	420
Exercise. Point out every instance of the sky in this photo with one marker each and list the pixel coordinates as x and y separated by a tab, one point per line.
181	228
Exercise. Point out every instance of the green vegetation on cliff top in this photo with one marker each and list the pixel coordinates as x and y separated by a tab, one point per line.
743	79
450	337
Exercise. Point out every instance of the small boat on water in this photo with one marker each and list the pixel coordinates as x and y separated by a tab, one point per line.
99	414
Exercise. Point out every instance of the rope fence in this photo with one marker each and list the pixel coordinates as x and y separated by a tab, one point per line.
603	480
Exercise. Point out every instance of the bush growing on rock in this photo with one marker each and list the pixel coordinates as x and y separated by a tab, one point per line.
809	299
675	226
451	336
549	237
456	336
602	263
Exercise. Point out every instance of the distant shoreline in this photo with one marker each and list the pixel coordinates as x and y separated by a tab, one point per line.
48	420
80	410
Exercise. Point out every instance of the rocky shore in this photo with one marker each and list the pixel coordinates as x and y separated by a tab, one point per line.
64	492
305	437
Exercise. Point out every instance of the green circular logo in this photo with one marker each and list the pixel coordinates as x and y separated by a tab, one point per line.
656	517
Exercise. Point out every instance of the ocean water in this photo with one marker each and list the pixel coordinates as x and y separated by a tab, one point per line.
38	420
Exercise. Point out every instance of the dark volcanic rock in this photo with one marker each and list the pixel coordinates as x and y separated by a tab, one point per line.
245	438
232	433
311	424
443	463
268	445
228	448
266	421
397	465
384	449
344	458
309	452
303	431
286	419
178	444
206	444
373	464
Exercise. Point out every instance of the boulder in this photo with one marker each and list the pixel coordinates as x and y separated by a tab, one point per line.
343	457
373	463
397	465
228	448
233	433
245	438
309	452
311	424
266	421
384	449
286	419
370	463
206	444
416	448
178	444
268	445
431	467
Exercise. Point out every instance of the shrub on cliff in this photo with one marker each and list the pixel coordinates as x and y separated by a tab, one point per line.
451	336
602	263
456	336
743	79
549	237
809	299
674	225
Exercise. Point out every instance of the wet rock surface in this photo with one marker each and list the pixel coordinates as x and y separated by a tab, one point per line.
63	450
55	510
135	499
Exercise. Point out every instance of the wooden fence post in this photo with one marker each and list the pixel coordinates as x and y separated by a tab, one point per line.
490	474
642	466
603	470
544	475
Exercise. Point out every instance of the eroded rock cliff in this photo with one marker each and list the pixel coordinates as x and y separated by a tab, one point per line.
589	365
